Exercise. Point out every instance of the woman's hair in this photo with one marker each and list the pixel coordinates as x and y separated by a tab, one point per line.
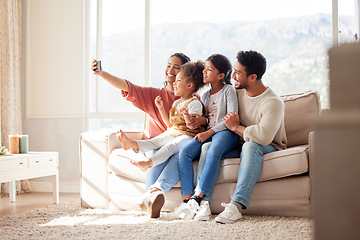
193	71
254	63
184	59
222	64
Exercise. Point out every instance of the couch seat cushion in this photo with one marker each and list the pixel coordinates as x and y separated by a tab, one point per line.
279	164
119	163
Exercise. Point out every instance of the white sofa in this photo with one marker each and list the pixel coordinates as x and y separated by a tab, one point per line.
108	180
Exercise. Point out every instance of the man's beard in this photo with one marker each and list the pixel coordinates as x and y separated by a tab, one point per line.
240	87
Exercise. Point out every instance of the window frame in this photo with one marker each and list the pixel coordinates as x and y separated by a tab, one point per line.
88	115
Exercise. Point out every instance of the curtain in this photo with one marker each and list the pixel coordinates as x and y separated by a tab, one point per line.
10	76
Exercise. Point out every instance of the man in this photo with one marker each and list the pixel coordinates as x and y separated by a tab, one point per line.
260	125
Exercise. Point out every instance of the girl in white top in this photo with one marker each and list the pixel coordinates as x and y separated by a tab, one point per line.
219	100
188	81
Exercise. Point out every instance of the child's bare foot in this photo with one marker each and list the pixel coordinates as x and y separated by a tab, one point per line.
142	164
126	142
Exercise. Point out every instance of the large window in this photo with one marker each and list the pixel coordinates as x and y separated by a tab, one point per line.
294	36
117	40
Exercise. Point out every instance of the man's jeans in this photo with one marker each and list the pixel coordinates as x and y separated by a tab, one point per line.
249	170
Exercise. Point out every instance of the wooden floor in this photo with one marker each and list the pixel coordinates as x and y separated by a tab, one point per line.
29	201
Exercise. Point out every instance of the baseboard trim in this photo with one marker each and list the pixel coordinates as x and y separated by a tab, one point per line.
65	187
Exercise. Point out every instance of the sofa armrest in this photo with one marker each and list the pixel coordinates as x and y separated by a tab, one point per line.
311	153
95	149
94	160
311	169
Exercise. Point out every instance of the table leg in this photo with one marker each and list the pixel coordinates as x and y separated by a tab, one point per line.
56	188
12	191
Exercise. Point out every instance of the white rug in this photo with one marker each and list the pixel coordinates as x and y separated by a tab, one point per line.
70	221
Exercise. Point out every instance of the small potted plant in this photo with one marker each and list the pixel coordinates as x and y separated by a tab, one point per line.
3	150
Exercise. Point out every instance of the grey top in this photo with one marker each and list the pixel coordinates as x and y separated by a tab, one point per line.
227	102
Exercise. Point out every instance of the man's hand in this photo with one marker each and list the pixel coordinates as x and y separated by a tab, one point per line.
232	121
202	137
196	121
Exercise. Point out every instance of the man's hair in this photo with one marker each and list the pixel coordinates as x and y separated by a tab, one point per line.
194	72
254	63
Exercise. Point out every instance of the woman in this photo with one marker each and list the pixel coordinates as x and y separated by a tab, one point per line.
144	97
167	173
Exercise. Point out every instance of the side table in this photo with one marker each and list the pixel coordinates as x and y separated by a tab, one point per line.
30	165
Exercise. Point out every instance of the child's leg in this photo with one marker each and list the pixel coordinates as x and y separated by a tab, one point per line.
186	156
222	142
154	143
170	149
126	142
166	151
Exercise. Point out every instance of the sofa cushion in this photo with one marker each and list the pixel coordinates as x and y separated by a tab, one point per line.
279	164
300	112
119	163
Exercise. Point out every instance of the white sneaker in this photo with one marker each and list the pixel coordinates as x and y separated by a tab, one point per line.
157	200
144	201
175	214
190	210
231	214
204	212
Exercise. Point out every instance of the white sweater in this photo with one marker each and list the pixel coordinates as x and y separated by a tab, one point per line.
263	117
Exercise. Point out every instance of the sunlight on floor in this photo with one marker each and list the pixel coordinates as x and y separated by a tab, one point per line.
106	217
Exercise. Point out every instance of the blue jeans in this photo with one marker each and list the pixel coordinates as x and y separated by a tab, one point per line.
165	175
213	157
233	153
249	170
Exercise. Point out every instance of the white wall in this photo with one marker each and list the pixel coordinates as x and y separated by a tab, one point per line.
52	84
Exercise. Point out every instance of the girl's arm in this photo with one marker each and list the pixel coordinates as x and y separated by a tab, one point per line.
230	104
160	105
187	117
202	137
196	121
192	116
115	81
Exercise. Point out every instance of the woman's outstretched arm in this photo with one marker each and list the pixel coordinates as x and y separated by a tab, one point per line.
117	82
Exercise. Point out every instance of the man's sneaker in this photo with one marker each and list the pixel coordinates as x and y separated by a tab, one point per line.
190	210
175	214
231	214
204	212
157	200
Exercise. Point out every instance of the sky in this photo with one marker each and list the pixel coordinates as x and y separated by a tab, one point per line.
124	15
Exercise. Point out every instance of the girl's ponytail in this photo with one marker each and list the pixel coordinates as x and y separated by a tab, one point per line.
227	78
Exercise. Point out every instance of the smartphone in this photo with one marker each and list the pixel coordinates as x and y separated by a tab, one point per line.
98	66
